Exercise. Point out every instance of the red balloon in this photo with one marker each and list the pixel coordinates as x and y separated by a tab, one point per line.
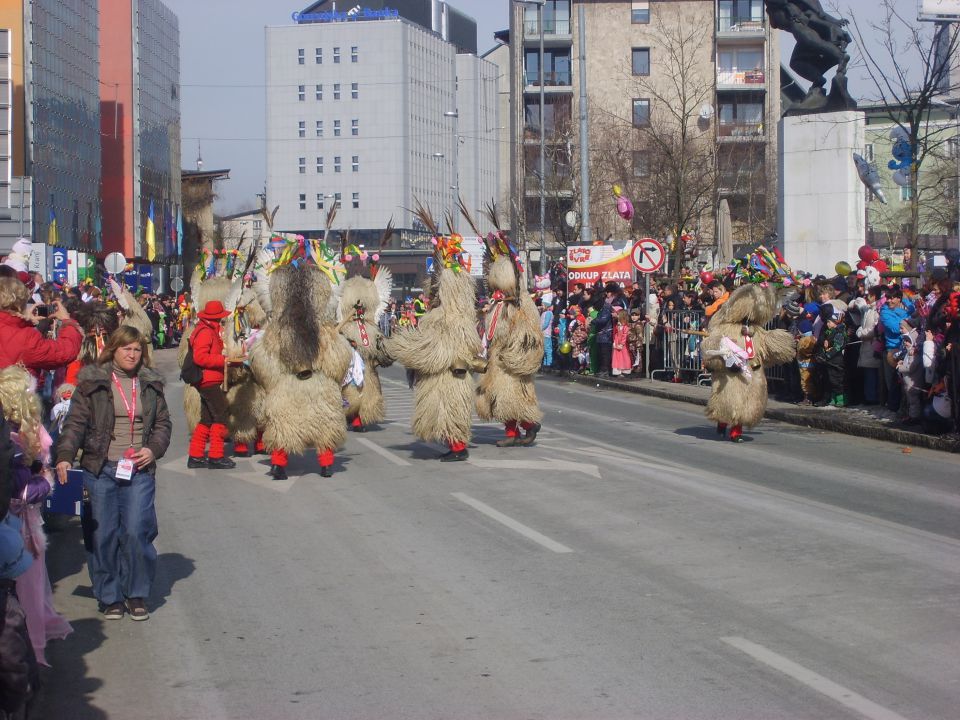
706	277
867	253
862	265
881	265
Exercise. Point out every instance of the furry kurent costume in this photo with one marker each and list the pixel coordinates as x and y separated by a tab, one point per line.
443	348
736	350
512	342
301	359
361	301
241	288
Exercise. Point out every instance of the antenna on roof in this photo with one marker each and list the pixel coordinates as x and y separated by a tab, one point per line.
199	157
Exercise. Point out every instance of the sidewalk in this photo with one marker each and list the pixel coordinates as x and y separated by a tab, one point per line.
868	422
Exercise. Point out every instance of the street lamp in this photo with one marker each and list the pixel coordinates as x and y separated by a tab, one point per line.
954	110
543	198
455	116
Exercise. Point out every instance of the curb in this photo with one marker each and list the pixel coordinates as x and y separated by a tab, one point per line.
828	420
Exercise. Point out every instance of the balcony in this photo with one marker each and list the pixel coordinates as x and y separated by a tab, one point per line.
741	131
551	26
556	78
737	26
734	78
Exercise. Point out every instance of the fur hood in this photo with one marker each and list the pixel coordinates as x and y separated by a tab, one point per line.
748	305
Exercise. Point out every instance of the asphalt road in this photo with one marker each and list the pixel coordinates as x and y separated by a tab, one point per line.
630	565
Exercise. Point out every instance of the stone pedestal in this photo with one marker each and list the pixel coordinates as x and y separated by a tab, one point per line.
821	198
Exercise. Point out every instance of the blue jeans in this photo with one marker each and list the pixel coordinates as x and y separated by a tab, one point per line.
871	385
124	561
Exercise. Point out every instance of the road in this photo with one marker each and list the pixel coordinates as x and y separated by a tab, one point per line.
630	565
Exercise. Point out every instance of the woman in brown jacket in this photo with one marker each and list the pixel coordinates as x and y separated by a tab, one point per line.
118	417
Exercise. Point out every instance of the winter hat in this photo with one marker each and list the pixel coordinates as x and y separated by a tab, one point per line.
793	309
828	312
805	327
811	309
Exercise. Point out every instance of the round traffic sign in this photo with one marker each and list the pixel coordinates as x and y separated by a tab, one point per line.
176	284
648	255
115	263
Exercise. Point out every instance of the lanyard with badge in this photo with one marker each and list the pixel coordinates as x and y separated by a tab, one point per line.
126	466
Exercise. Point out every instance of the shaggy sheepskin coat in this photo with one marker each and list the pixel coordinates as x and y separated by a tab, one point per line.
443	349
735	400
514	350
365	402
300	361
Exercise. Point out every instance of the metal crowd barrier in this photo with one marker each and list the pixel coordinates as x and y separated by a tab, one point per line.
680	350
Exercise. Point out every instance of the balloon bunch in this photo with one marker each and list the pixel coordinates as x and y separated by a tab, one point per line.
624	206
869	257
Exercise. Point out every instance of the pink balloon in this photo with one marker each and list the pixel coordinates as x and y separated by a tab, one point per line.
624	208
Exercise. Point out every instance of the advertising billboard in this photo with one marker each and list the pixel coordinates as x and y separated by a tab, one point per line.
610	262
58	257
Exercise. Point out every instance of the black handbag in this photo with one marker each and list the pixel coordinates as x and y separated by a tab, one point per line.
190	372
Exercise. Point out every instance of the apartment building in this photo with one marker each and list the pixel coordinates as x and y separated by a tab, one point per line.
633	76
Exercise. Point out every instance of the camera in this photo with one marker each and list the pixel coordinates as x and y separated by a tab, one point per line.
44	310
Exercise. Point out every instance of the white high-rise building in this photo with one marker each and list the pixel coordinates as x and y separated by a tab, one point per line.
375	112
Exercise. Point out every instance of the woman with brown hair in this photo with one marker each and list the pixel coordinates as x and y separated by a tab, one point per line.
119	419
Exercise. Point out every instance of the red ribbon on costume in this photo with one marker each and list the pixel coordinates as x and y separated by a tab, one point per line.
748	346
363	333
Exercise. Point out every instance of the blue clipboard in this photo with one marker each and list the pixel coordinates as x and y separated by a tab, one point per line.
67	499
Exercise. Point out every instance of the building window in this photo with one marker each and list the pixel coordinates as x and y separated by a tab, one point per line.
641	163
355	163
301	93
301	129
319	164
319	128
641	61
302	165
336	56
354	127
318	92
640	12
301	58
353	54
303	201
336	128
336	91
318	56
868	153
336	163
354	90
906	193
336	198
319	201
257	226
356	201
641	112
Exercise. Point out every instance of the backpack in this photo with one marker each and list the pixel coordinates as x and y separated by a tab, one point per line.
190	372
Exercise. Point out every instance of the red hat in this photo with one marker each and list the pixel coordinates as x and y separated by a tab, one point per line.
213	310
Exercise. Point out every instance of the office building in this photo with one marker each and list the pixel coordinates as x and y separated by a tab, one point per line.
373	111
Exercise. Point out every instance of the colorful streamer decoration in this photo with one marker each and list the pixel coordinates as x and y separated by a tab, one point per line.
448	250
298	249
500	244
763	265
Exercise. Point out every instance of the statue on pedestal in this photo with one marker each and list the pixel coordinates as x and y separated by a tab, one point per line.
821	45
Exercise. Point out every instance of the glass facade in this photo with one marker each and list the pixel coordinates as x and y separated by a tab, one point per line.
64	89
158	124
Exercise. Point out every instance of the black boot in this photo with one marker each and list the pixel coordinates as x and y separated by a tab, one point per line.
455	456
223	463
278	472
531	435
326	471
193	463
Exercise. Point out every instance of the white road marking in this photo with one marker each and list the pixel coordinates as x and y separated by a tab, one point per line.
517	527
822	685
395	459
542	464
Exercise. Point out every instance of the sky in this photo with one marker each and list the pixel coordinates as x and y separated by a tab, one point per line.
222	75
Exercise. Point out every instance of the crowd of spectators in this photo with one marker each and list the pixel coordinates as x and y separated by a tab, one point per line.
890	350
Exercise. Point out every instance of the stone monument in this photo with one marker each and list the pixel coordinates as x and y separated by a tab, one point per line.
821	199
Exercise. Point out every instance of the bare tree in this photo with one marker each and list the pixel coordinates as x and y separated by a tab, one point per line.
908	71
665	156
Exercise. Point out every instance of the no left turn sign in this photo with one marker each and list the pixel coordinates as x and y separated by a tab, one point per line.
648	255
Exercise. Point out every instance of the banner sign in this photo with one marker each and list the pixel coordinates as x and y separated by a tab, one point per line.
145	278
585	262
58	257
72	263
940	9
